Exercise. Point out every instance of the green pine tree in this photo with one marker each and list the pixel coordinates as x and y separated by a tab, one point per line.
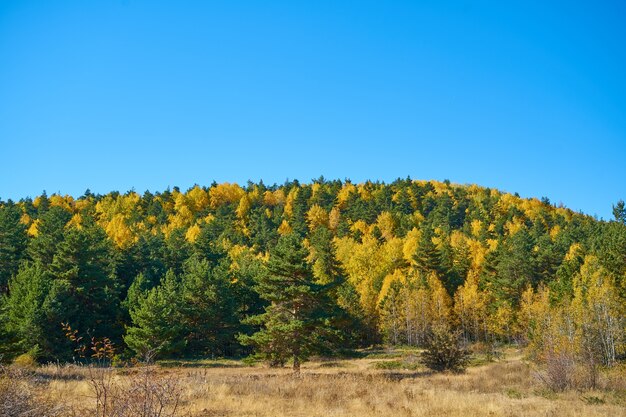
427	257
25	314
84	292
296	324
511	268
157	329
208	309
13	240
50	232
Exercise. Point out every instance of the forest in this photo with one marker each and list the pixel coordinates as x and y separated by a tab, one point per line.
229	271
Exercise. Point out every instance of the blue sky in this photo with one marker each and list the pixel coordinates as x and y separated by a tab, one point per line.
114	95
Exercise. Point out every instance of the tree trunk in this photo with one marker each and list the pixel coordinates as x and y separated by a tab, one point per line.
296	364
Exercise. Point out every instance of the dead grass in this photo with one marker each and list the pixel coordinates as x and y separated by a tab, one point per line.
357	387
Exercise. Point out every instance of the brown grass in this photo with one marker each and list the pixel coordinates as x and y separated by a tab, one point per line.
358	387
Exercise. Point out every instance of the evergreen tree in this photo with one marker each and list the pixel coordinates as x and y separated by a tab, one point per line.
84	292
426	256
145	257
25	315
512	267
50	231
619	212
13	240
208	309
176	251
157	328
297	323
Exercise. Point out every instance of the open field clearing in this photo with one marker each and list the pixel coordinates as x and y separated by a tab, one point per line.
376	385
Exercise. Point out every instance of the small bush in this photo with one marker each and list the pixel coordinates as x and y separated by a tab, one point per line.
25	360
444	351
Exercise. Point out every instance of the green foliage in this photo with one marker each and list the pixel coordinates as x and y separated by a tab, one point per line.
25	308
619	212
83	281
209	309
50	231
512	267
13	240
193	314
297	323
157	328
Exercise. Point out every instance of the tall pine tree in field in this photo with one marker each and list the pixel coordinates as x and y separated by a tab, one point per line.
297	323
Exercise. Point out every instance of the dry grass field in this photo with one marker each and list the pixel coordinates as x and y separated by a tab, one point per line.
387	384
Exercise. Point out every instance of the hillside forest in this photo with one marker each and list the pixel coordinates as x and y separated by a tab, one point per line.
229	271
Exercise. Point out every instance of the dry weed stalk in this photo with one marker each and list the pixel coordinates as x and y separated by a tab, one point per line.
143	394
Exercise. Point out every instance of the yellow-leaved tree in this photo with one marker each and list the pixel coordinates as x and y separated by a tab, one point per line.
470	309
598	313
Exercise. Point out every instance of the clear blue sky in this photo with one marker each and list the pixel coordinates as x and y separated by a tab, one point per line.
111	95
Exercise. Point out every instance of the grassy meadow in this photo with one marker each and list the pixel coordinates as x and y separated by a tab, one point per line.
379	383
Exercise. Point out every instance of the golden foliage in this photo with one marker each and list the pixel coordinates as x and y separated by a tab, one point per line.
33	230
119	232
284	228
441	303
575	250
477	228
344	194
225	193
291	197
192	233
514	226
470	308
197	199
361	226
316	216
109	206
386	224
76	221
411	243
274	198
66	202
244	207
333	218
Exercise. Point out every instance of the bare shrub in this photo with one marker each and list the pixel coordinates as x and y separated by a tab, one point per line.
147	394
143	394
558	374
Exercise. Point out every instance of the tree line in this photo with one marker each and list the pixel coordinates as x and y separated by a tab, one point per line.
227	270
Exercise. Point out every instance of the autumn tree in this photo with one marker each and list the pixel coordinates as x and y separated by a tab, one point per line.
470	308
